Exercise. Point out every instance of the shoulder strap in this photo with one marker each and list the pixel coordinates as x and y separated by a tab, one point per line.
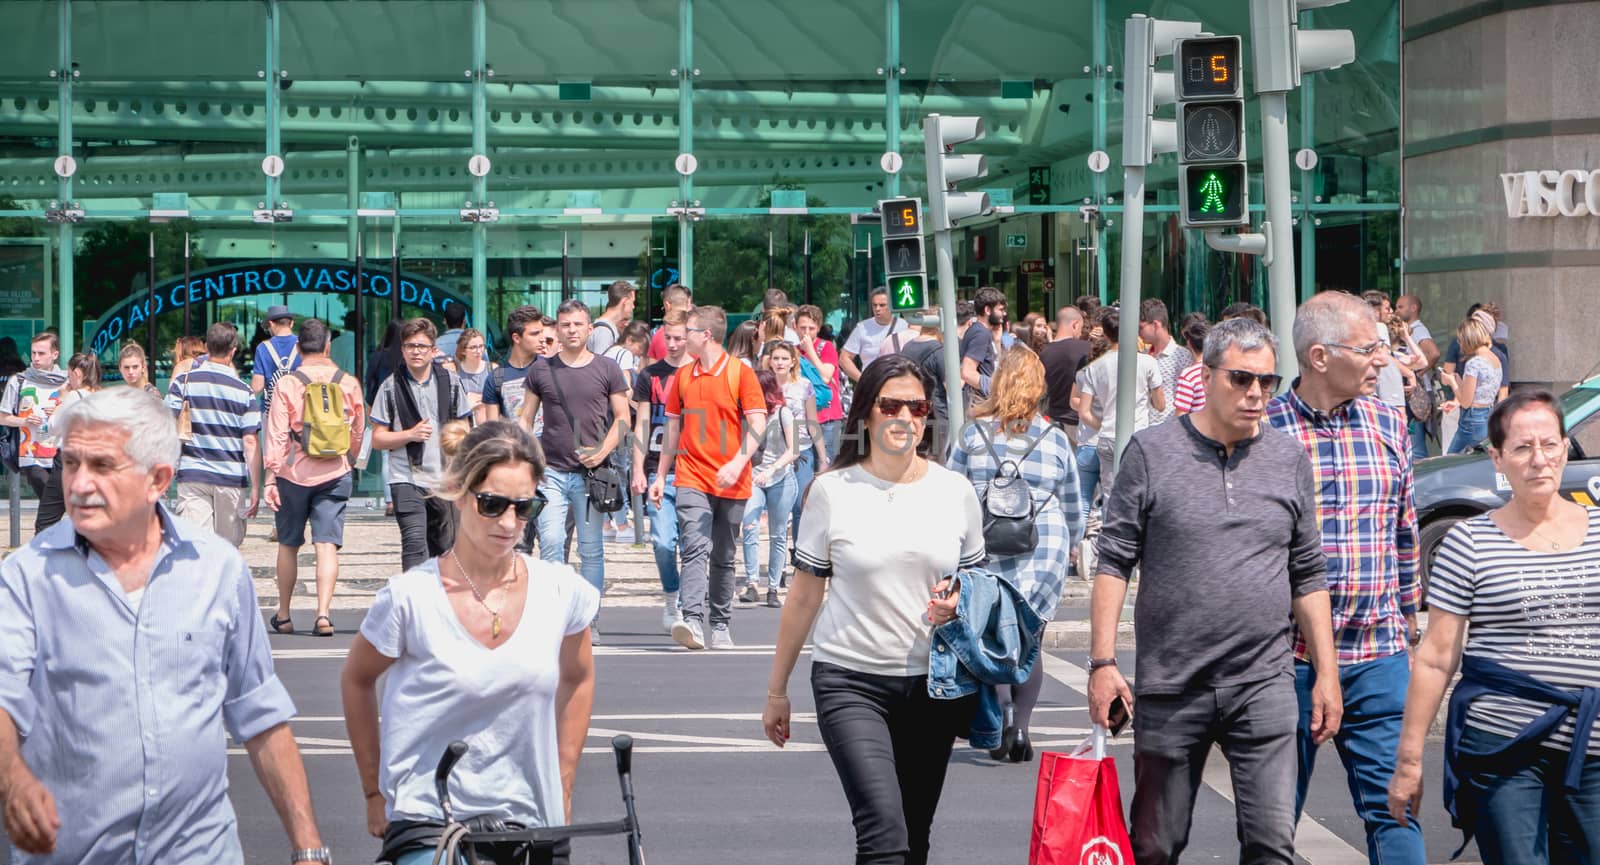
301	376
988	440
445	394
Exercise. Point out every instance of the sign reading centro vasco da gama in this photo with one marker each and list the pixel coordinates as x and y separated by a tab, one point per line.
1574	192
241	280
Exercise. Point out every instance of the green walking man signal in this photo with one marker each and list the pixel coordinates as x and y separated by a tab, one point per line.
1213	190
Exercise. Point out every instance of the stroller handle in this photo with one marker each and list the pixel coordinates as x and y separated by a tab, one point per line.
441	775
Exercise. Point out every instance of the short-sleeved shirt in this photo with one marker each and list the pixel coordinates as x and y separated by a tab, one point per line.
287	348
652	386
713	423
1535	612
511	769
1486	377
1100	381
22	398
385	405
577	406
884	546
602	336
827	353
506	388
222	411
797	395
866	339
978	345
1190	394
1171	361
775	442
1062	359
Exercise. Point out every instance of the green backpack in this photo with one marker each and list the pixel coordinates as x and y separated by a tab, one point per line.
324	423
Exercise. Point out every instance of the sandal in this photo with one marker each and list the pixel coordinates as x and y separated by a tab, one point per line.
317	629
281	626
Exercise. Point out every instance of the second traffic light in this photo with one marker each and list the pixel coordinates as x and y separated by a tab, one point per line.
905	266
1213	189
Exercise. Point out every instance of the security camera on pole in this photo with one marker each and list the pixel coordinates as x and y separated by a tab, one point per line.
946	207
1143	136
1283	53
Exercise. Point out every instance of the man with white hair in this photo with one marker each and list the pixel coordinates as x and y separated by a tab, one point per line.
129	641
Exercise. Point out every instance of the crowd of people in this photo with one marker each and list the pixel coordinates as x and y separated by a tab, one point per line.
1273	534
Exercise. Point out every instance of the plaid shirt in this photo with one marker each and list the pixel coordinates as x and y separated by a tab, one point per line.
1360	458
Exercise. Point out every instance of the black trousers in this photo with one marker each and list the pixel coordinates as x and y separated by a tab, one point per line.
427	524
46	486
890	743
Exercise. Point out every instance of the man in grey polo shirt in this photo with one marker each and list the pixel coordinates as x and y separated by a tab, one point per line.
1228	551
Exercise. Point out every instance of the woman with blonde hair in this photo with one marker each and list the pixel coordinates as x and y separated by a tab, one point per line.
135	368
1478	385
437	631
1009	438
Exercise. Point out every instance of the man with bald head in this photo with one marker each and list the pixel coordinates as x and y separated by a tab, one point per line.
1062	358
1362	471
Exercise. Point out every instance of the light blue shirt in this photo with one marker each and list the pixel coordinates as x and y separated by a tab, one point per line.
122	710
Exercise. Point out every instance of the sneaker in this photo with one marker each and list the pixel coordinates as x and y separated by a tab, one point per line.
624	531
750	595
688	634
594	634
670	614
783	581
773	600
721	637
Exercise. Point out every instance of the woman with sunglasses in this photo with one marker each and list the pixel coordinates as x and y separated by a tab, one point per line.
1007	428
881	533
482	644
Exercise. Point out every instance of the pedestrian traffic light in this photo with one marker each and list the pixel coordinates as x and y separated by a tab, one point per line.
904	265
945	169
1144	89
1213	188
1284	51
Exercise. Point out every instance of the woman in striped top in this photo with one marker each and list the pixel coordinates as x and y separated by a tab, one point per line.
1520	767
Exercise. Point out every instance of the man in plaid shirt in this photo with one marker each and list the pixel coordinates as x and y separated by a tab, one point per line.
1360	457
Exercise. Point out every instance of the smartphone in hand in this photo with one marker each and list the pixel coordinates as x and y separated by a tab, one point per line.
1118	717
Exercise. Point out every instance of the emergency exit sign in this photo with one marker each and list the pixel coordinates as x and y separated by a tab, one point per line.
1016	241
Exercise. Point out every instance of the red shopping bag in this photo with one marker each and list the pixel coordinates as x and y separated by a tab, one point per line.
1077	809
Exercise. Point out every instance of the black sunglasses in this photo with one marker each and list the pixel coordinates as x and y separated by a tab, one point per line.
1242	379
492	506
891	407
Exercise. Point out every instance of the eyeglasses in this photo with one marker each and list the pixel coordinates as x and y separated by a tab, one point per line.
492	506
1552	451
1242	379
697	330
891	407
417	346
1364	351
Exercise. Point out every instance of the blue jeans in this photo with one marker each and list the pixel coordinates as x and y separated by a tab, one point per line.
1523	815
805	468
1088	475
1374	702
1419	440
565	491
1473	428
664	534
778	500
830	436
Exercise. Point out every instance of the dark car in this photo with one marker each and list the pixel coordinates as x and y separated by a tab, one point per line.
1453	488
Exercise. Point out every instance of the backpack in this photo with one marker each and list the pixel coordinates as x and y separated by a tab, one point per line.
281	366
823	389
1009	528
324	421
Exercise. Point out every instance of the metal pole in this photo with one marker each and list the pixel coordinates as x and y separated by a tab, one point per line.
891	89
807	288
64	322
769	260
1308	220
188	322
272	77
394	272
352	193
361	361
150	299
944	266
1280	267
1129	291
480	146
16	510
686	138
566	268
1098	269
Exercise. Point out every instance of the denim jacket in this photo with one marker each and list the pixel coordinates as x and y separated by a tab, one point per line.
993	640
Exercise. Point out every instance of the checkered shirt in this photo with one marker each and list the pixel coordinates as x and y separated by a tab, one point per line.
1360	458
1052	474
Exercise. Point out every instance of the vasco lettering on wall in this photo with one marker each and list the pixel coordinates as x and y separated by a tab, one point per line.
1574	192
235	281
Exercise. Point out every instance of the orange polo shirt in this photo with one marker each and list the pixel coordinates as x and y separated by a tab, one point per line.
712	423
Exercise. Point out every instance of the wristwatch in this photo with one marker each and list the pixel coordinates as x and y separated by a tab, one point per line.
311	854
1097	663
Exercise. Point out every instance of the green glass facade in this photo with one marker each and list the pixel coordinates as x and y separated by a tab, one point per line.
582	106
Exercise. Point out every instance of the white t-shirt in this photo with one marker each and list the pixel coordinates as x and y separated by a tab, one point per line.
883	547
866	340
1391	384
445	685
1099	379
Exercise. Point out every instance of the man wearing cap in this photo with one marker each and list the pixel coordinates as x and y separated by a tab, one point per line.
275	357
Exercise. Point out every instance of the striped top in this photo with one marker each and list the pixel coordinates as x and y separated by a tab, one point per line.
222	412
1535	612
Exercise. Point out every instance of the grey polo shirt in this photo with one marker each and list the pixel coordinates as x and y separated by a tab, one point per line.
1224	544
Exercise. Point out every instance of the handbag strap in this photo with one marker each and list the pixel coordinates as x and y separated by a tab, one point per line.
1001	461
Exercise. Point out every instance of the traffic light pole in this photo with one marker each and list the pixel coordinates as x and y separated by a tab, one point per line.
1282	295
1128	324
944	262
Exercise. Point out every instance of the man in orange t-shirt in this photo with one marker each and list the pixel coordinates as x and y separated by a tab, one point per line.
709	447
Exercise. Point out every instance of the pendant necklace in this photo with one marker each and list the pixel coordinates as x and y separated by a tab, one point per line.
1554	545
494	627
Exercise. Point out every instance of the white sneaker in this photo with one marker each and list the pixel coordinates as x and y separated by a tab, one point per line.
688	634
670	614
721	637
